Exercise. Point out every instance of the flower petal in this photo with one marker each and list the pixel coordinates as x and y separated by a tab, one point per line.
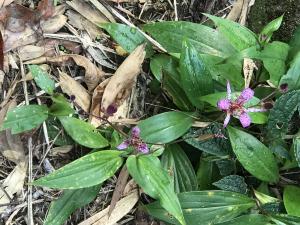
143	148
245	96
224	104
123	145
228	90
227	119
135	132
245	119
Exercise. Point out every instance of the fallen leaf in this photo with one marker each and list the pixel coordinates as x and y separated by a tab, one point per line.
61	150
4	3
93	74
122	208
248	69
236	10
73	88
54	24
102	9
31	52
120	84
46	8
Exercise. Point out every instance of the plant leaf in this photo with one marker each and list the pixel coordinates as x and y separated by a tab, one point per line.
294	44
276	67
296	148
178	165
204	140
239	36
163	62
86	171
255	157
25	118
165	127
206	207
147	171
42	79
128	37
71	200
83	133
60	106
292	77
232	183
254	219
207	173
283	219
195	77
291	200
270	28
205	39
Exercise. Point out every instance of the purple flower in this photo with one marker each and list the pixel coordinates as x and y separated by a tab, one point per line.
135	141
236	107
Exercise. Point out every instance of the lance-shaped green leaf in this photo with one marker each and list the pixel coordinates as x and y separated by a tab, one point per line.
294	44
60	106
206	207
128	37
86	171
232	183
42	79
165	127
178	165
252	219
205	39
283	219
207	173
25	118
83	133
70	200
163	62
147	171
292	77
254	156
270	28
296	148
195	77
291	200
239	36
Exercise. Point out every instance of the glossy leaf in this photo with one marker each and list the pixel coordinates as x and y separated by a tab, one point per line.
60	106
283	219
232	183
252	219
147	171
163	62
205	39
204	140
206	207
83	133
25	118
195	77
239	36
280	116
86	171
206	174
128	37
270	28
70	200
291	199
42	79
254	156
292	77
275	66
175	161
165	127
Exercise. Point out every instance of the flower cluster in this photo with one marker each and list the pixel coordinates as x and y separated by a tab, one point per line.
135	141
236	107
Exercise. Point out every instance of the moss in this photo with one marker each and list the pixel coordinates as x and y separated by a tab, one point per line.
263	11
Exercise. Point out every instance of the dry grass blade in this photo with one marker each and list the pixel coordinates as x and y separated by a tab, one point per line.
72	87
122	208
103	10
119	189
120	84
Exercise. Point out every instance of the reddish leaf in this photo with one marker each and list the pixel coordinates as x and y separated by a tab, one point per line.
46	9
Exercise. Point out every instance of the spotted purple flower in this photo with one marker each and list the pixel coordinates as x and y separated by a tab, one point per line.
135	141
236	107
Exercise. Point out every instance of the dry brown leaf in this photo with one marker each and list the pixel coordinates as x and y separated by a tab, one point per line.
248	69
31	52
120	84
87	11
236	10
54	24
60	150
4	3
102	9
72	87
93	74
122	208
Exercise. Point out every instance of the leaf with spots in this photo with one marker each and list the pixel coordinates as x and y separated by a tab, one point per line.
254	156
178	165
25	118
83	133
147	171
70	200
42	79
86	171
233	183
206	207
